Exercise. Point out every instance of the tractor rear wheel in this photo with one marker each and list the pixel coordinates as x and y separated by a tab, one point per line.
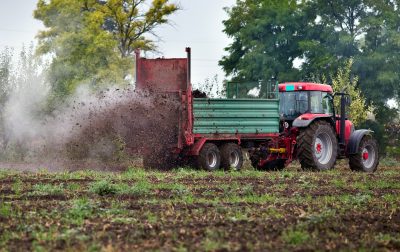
367	157
209	157
317	147
231	156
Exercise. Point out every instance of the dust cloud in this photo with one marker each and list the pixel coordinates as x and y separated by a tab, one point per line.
107	130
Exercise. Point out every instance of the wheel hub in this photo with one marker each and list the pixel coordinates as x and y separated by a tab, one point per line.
368	156
323	148
365	155
234	159
212	159
319	148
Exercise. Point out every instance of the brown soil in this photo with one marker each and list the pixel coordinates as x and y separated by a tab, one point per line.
330	217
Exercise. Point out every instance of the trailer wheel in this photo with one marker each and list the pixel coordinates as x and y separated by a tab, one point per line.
209	157
231	156
367	157
317	147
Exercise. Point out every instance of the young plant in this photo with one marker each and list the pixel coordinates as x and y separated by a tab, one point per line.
103	187
48	189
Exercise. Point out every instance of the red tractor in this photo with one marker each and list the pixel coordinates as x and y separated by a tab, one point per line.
314	132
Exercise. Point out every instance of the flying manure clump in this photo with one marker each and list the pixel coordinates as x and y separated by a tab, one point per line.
123	122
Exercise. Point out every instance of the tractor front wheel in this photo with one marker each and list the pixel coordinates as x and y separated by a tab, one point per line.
317	147
367	157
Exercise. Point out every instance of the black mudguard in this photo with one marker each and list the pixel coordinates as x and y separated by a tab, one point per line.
355	139
300	123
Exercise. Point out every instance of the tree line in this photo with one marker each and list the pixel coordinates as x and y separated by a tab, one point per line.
311	40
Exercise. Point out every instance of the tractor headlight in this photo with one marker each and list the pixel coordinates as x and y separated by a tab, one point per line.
286	125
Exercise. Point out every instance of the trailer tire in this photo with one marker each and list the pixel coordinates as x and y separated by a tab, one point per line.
317	147
231	157
209	157
367	157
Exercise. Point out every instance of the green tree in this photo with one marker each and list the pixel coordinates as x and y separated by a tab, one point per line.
364	30
343	81
333	36
92	41
6	84
129	23
379	63
266	37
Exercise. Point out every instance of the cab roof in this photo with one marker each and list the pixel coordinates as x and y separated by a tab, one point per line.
304	86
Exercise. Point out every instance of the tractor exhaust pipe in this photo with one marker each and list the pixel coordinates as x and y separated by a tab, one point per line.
189	66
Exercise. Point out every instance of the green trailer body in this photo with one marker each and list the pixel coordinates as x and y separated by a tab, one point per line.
235	116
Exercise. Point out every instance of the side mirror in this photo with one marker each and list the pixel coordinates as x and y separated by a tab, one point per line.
347	100
329	96
344	98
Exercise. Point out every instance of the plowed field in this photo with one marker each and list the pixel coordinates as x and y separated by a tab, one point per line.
193	210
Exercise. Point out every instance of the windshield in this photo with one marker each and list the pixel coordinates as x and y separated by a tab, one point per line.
294	104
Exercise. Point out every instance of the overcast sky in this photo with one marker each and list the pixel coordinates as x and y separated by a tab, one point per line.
198	25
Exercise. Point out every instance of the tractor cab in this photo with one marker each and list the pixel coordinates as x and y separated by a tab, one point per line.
301	98
301	103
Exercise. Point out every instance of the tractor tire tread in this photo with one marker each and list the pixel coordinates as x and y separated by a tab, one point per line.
305	145
355	160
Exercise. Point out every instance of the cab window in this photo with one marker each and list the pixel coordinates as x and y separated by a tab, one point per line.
321	103
327	103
